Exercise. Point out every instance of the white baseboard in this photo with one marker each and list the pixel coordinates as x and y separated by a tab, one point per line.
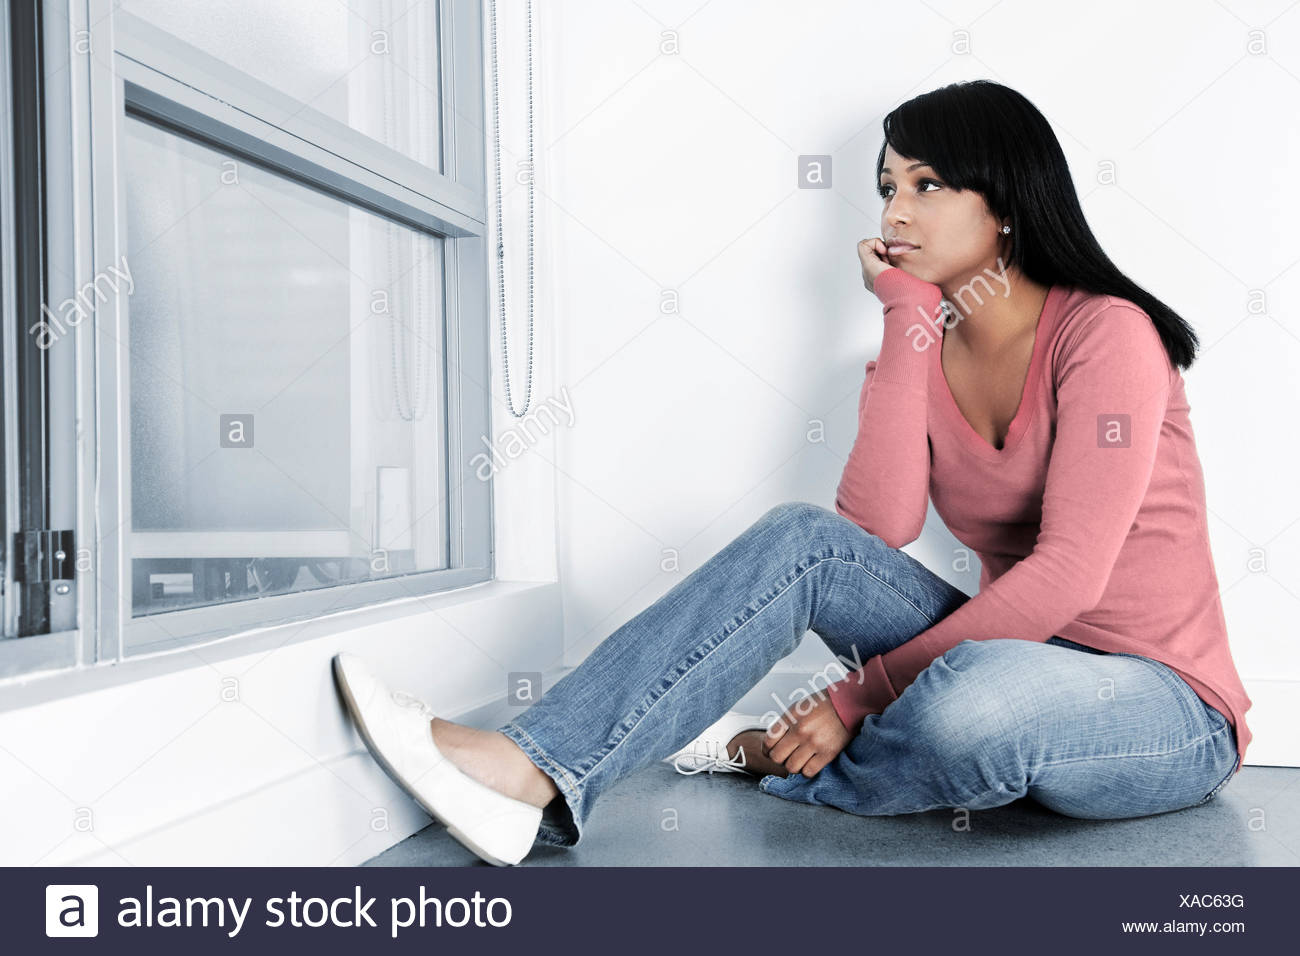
306	818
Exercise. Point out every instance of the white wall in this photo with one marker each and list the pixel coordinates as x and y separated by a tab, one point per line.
674	173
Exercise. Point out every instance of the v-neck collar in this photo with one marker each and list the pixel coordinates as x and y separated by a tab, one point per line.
1028	394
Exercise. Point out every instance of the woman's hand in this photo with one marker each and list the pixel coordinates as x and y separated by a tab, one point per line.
808	736
873	254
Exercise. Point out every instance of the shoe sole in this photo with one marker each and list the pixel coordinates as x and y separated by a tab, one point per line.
355	712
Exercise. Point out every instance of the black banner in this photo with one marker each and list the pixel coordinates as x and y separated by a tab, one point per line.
646	909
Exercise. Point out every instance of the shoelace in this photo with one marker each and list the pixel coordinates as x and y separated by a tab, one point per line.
403	699
710	761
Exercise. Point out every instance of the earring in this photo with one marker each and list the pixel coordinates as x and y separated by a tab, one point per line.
1006	229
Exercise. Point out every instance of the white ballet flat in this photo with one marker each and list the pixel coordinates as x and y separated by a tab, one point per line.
395	727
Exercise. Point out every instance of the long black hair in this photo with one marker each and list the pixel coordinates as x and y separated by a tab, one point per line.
986	137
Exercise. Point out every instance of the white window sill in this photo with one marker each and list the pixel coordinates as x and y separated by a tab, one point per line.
29	690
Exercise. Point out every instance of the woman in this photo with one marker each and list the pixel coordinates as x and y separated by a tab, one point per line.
1034	392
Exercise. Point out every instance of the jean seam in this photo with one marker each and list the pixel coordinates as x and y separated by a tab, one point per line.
1221	784
1156	753
856	562
566	780
817	559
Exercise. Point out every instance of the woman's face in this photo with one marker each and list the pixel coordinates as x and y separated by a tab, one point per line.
955	233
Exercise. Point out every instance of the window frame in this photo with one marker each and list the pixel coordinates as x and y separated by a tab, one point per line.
154	75
38	625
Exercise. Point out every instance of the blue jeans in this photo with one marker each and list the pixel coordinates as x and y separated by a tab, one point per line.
1084	732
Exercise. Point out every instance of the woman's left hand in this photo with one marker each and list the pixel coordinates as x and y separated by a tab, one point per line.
808	736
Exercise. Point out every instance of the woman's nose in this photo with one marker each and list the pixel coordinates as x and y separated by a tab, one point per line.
897	211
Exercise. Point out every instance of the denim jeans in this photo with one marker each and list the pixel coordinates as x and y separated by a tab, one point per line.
1084	732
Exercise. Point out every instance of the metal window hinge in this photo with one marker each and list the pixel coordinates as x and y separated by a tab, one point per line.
43	555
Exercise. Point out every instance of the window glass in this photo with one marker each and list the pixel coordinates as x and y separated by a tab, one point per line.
372	64
285	382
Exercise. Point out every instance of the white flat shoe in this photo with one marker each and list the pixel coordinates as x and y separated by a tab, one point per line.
708	751
395	727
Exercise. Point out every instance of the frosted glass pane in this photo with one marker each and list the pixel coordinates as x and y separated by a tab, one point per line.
372	64
285	382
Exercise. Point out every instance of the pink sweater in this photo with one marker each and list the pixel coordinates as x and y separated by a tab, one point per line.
1089	522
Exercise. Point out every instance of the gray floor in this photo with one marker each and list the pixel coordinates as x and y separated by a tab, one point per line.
658	817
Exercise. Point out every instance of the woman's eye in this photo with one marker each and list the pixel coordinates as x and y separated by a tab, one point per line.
924	182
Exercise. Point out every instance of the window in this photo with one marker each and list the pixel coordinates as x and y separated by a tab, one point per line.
266	288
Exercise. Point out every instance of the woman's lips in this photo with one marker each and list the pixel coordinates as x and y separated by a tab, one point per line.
901	249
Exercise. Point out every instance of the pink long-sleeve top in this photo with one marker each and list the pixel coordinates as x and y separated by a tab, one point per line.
1089	522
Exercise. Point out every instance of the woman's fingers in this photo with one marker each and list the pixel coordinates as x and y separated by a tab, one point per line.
789	740
804	742
773	735
874	256
799	758
814	766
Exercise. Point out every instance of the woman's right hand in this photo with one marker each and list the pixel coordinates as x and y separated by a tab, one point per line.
873	254
808	736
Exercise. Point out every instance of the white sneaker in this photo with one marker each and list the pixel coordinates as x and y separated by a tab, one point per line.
708	751
395	727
